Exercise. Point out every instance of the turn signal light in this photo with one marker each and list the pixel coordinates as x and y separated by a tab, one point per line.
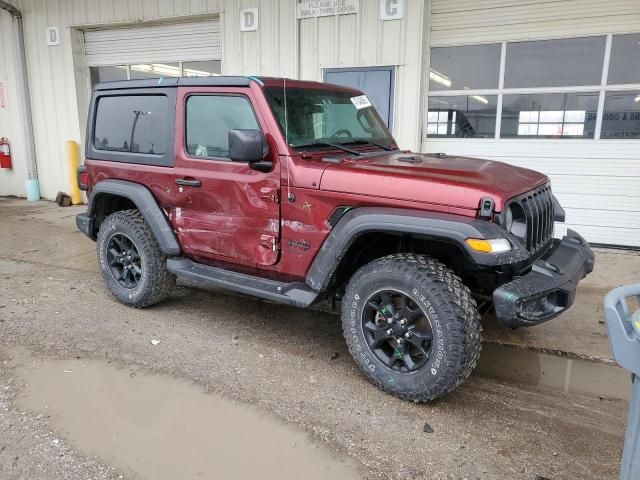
495	245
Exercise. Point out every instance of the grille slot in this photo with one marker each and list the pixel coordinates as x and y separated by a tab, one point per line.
538	210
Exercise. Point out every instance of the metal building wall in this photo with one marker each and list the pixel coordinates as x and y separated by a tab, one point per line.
364	40
597	181
11	181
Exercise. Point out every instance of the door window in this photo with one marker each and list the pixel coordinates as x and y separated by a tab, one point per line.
132	123
209	119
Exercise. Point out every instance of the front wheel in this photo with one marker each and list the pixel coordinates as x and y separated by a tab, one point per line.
412	326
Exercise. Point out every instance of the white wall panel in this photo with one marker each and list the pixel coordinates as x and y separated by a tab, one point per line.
467	21
11	181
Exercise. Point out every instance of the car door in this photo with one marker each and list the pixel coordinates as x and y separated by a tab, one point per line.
223	210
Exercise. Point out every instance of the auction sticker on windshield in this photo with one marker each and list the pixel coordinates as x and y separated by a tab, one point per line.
361	102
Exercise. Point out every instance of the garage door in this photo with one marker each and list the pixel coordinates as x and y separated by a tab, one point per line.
538	87
193	41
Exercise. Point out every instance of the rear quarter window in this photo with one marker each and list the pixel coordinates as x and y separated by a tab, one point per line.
132	124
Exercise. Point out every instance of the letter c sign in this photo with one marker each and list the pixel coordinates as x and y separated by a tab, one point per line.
391	9
249	20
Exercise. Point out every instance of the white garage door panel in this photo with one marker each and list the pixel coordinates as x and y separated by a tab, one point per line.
602	235
161	43
606	186
595	202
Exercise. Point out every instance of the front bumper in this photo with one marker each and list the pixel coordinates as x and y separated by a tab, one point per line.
549	288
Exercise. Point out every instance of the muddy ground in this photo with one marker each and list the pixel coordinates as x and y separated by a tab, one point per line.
276	365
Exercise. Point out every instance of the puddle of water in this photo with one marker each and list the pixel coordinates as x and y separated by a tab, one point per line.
164	428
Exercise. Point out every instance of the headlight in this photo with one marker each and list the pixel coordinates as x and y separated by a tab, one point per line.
508	218
496	245
515	221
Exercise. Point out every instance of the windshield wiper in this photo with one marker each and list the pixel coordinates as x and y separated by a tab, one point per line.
379	145
329	144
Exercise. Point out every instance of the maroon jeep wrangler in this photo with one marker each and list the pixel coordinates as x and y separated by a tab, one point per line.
296	192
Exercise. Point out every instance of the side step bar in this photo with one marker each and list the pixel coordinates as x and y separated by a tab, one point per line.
297	294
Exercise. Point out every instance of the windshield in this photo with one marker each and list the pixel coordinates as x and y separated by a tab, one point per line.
317	116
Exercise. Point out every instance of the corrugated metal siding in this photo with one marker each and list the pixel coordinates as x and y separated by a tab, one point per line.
363	40
597	182
269	51
11	181
469	21
169	43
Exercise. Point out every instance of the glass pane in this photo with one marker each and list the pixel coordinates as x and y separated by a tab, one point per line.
132	124
621	117
108	74
554	115
209	119
464	116
322	115
202	69
155	70
554	63
624	66
457	68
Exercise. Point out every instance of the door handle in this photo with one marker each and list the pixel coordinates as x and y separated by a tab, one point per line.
188	182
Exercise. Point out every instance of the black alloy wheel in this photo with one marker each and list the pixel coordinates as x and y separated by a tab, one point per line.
397	330
124	260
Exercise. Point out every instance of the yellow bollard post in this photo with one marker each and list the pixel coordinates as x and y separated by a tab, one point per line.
73	158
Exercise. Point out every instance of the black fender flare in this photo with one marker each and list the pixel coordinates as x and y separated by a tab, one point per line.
145	202
441	226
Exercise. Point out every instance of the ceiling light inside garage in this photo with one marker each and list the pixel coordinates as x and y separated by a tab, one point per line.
439	78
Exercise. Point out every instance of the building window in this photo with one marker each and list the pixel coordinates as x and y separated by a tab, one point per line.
209	119
202	69
464	116
566	115
587	88
459	68
131	123
554	63
621	118
109	73
624	66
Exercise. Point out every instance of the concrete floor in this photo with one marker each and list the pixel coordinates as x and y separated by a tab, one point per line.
53	305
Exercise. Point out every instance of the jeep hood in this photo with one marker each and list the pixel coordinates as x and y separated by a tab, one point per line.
452	181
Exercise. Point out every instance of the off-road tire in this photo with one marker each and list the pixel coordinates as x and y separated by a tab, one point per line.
155	283
452	313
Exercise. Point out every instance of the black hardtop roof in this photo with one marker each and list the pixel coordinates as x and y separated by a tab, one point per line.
168	82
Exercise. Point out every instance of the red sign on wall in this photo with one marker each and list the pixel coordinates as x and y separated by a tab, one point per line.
1	95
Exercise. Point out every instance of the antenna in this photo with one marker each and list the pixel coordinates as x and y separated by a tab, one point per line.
286	137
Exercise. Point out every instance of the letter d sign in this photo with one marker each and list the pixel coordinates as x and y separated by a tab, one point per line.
391	9
248	19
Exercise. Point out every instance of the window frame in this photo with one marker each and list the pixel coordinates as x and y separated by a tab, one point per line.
160	160
213	94
601	89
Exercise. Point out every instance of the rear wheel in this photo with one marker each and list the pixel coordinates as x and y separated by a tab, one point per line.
133	265
412	326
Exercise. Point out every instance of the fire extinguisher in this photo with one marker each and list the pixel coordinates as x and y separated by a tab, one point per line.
5	153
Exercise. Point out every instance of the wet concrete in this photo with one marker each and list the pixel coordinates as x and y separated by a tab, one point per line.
165	428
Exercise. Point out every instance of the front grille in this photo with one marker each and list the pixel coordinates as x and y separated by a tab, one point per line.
538	211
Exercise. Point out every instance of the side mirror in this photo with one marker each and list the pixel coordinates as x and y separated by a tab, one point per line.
249	146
